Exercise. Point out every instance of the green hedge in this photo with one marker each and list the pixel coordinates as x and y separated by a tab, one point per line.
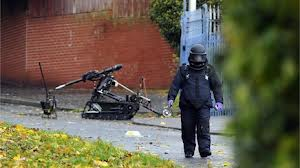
166	13
262	66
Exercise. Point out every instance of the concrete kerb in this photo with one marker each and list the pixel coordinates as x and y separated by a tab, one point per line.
175	128
28	103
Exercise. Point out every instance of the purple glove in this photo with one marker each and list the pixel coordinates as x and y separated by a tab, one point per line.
170	103
219	106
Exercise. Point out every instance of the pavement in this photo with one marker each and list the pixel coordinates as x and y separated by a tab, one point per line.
68	98
160	136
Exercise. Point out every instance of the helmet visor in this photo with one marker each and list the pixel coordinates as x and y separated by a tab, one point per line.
197	60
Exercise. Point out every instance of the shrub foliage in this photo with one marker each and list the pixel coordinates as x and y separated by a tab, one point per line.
263	67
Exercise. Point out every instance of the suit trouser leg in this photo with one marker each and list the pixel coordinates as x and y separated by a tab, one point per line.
188	127
203	136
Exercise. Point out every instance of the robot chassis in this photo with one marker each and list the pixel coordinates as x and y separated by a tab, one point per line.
103	104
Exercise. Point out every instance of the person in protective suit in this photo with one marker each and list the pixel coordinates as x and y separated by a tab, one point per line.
195	81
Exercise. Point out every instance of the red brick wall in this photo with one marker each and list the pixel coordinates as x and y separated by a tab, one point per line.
70	45
13	35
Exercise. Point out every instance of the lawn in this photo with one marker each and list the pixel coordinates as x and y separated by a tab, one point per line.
24	147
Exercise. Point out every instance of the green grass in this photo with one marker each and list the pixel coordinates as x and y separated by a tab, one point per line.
23	147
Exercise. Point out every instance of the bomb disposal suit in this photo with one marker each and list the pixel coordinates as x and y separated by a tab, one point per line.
195	81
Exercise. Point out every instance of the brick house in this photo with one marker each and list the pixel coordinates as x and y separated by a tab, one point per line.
70	37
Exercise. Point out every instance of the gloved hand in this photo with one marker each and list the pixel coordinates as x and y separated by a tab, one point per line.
89	75
219	106
170	103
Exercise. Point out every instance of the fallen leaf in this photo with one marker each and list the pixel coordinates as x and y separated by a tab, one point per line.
100	163
162	123
133	134
30	131
226	164
17	157
209	164
19	128
220	152
2	155
64	136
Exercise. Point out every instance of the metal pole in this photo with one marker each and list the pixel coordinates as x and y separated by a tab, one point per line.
44	82
192	5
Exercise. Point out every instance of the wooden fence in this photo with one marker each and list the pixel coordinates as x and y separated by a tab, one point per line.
118	8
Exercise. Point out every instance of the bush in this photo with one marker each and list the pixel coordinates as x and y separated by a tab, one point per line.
262	66
166	13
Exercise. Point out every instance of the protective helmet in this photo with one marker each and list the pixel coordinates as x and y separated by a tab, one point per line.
197	58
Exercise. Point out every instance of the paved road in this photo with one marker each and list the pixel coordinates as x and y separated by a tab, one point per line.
161	141
72	98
